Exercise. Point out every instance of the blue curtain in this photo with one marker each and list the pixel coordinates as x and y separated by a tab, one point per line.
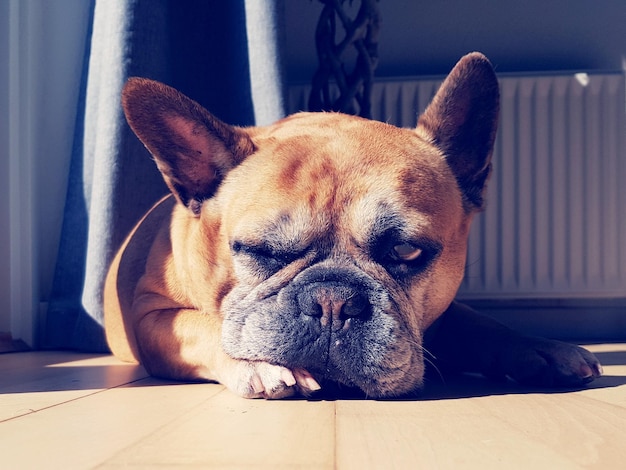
223	54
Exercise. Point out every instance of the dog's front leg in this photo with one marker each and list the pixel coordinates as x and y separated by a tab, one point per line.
468	341
185	344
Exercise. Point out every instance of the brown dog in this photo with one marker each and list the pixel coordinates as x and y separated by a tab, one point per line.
322	248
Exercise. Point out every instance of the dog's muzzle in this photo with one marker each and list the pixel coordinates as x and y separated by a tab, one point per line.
332	320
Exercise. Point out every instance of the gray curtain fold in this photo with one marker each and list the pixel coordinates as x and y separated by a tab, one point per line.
223	54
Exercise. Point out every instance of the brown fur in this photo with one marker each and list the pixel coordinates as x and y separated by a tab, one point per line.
272	267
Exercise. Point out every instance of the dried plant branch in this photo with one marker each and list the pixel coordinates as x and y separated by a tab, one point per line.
361	35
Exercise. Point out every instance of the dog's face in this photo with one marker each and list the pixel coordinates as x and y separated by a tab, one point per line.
326	242
357	246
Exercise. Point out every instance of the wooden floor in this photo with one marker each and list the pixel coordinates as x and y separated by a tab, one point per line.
65	410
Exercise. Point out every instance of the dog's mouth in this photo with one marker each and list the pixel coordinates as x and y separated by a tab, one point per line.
336	391
335	384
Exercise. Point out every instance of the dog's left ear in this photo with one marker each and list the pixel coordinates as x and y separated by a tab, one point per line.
462	120
192	148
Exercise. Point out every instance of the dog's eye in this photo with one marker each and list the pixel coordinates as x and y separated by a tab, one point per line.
263	256
405	252
404	257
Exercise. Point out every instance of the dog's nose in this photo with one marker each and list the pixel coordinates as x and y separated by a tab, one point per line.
332	302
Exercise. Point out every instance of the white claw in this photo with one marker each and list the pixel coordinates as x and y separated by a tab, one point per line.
287	377
306	380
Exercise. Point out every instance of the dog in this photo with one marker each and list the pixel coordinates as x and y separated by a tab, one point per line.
322	249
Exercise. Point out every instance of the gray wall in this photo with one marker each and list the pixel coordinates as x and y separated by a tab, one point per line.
427	37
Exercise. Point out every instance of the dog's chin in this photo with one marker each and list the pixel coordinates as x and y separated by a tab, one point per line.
332	390
398	374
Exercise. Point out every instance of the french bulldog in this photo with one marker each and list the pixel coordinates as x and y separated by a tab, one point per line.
322	249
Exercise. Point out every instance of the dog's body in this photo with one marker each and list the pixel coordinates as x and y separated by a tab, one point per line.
322	248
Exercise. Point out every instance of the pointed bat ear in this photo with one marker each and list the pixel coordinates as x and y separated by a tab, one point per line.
192	148
462	120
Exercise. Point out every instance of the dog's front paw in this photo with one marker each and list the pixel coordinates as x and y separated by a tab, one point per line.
543	362
252	379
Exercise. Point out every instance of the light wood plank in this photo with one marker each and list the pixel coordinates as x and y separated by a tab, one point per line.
37	380
86	432
149	424
229	431
508	431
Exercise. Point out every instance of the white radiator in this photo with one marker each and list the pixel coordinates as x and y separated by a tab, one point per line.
555	223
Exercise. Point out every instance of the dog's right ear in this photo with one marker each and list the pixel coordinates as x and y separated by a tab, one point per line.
193	149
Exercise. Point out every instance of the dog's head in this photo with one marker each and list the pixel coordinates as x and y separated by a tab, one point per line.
325	242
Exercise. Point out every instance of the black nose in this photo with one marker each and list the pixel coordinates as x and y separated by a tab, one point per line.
332	302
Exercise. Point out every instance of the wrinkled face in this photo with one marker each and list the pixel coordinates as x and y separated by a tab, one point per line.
347	239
